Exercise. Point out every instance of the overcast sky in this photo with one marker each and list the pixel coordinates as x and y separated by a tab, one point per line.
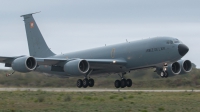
81	24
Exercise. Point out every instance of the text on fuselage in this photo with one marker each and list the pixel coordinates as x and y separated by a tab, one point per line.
155	49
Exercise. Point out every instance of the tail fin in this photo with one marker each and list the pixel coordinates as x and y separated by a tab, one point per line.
36	43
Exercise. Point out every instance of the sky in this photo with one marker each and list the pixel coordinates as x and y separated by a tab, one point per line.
74	25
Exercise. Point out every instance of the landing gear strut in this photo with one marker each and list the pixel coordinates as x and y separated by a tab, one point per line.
123	82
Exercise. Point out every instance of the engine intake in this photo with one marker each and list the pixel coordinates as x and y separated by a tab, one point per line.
186	66
76	67
179	67
175	68
84	66
24	64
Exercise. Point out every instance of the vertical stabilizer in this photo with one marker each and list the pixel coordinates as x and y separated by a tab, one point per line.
36	43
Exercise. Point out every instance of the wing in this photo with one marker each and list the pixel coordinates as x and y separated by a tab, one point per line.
8	60
94	63
106	63
50	61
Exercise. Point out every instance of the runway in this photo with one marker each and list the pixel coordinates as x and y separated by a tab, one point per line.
91	90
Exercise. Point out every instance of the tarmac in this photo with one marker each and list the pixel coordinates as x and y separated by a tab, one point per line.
91	90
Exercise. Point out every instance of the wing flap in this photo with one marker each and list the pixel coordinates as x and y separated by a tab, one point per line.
49	61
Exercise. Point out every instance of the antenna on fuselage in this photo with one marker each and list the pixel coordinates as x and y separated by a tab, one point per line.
126	40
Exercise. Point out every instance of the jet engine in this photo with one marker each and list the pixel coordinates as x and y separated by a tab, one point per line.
186	66
24	64
174	68
76	67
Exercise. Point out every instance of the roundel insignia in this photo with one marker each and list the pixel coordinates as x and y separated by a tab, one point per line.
31	24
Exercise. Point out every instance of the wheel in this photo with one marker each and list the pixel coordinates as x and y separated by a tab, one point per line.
91	82
123	83
85	83
166	74
162	74
128	82
117	83
79	83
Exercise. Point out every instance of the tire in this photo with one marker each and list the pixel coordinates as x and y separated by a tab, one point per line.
128	82
79	83
162	74
166	74
91	82
123	83
117	83
85	83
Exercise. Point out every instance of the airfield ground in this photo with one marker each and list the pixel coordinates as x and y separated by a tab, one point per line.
138	101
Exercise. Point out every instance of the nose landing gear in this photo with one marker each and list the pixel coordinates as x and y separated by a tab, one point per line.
164	73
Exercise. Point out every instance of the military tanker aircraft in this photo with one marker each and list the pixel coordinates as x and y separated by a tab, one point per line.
162	53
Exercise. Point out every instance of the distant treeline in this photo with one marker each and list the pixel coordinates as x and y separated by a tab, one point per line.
141	79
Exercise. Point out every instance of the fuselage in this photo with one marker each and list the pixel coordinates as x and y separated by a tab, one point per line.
151	52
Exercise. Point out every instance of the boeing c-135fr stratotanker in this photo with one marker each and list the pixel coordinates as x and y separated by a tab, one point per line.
162	53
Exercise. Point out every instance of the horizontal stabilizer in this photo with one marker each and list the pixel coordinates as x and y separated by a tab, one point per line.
29	14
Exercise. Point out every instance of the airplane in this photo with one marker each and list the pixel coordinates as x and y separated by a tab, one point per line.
162	53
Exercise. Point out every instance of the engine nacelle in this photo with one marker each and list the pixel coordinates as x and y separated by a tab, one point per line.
77	67
179	67
186	66
24	64
174	68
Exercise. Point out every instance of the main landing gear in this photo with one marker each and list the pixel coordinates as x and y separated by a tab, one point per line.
85	83
123	82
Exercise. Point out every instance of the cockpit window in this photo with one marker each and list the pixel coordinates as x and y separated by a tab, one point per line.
176	41
169	42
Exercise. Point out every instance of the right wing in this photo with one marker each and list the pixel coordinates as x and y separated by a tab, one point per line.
94	63
8	60
104	63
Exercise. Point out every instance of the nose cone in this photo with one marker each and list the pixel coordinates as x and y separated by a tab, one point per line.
182	49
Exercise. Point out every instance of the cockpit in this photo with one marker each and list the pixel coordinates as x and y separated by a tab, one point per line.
175	41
